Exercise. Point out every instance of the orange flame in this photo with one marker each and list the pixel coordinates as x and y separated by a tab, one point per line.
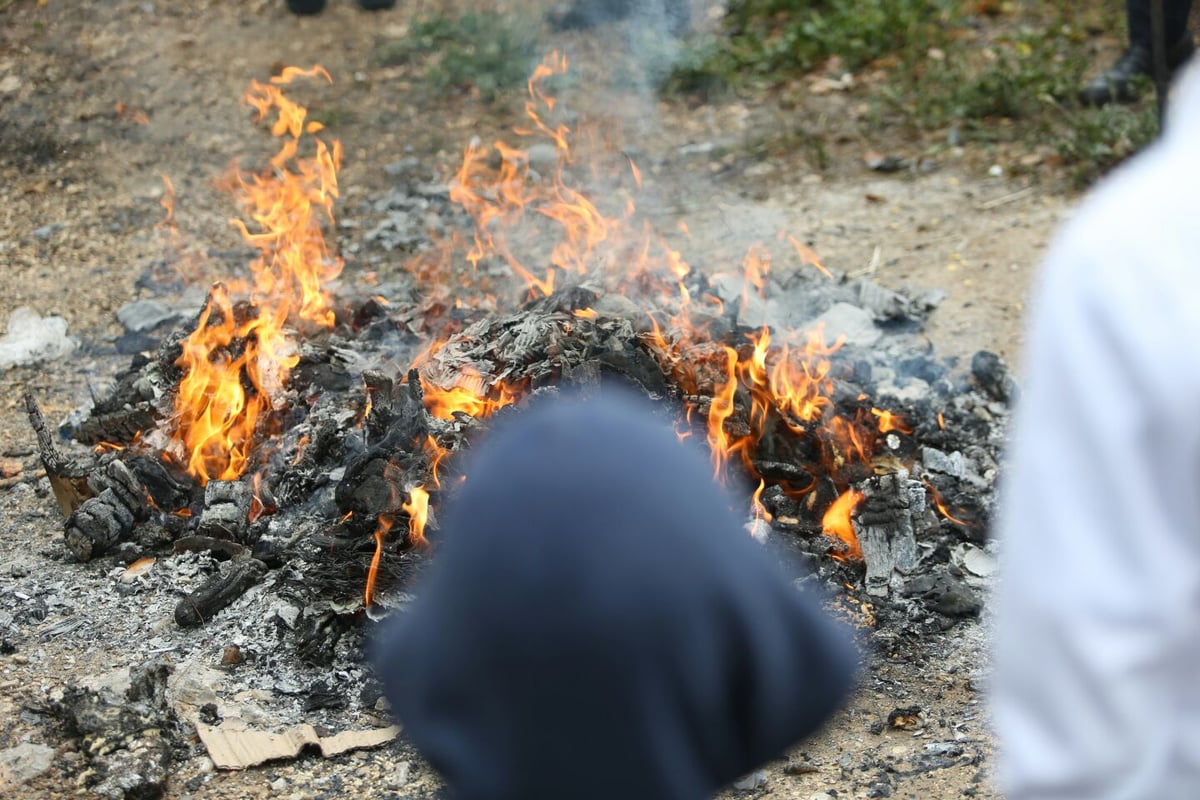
466	396
381	531
719	410
756	507
940	505
417	509
837	523
809	257
238	359
889	421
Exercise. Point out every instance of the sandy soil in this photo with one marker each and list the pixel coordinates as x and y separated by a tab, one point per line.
98	100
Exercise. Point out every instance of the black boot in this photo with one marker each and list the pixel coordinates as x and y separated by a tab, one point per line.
306	7
1118	83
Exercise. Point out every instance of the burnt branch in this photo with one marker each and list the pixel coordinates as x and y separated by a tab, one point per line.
220	591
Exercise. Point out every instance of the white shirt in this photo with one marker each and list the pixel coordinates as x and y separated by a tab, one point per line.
1097	682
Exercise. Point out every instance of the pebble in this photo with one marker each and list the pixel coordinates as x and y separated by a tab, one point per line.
144	315
755	780
400	776
26	761
46	231
232	655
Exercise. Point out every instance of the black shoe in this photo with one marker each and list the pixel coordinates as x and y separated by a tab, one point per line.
306	7
672	15
376	5
1118	84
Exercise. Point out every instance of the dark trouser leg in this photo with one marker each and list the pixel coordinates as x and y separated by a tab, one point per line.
1175	17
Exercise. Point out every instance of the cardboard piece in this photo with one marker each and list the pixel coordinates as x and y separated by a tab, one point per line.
233	745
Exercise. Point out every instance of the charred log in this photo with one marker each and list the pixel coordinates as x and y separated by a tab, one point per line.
319	637
133	405
888	521
325	452
169	490
226	512
222	589
109	516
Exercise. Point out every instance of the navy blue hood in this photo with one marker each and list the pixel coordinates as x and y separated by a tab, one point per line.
598	624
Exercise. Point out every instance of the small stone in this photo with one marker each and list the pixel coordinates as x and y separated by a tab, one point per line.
879	790
979	562
144	315
755	780
46	231
952	464
854	322
24	762
400	776
232	655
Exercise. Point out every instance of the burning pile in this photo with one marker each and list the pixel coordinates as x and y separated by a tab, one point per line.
265	435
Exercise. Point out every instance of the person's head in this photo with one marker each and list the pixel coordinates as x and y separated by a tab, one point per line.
598	624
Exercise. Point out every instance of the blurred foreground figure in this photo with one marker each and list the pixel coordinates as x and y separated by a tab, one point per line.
598	624
1098	641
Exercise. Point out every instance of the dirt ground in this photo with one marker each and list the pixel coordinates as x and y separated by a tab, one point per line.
99	100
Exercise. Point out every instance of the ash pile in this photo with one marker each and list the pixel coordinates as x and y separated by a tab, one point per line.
905	443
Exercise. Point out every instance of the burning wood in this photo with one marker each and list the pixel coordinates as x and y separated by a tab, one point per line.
267	435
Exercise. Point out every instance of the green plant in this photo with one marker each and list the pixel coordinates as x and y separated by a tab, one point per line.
491	53
1097	139
932	75
766	40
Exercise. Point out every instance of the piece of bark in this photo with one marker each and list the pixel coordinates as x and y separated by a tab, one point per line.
67	479
221	590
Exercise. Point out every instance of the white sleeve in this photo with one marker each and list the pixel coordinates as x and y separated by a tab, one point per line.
1096	692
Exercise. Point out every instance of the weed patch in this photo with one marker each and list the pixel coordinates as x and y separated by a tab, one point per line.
489	54
941	74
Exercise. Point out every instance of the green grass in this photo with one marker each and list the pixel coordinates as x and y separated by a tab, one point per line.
1012	79
489	54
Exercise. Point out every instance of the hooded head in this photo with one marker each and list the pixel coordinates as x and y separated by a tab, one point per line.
597	624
